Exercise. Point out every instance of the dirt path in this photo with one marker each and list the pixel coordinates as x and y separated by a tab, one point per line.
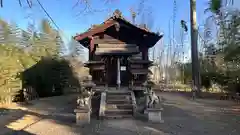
201	117
17	117
182	117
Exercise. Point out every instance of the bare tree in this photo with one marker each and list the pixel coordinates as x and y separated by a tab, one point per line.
29	3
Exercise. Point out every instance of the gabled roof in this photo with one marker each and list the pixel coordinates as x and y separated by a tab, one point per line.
97	29
110	22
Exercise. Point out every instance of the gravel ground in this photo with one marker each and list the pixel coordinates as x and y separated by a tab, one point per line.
182	116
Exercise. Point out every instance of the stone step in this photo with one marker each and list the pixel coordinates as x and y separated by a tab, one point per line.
119	106
119	97
109	112
118	101
118	92
118	116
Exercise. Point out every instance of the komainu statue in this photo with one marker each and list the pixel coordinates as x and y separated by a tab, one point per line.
83	100
154	100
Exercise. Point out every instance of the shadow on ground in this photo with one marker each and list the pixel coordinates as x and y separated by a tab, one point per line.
57	117
57	109
184	116
7	120
181	116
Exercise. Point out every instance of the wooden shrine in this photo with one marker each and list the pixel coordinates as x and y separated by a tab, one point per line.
118	52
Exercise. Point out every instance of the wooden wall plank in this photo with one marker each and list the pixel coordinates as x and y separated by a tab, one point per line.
119	50
134	66
109	41
117	46
97	67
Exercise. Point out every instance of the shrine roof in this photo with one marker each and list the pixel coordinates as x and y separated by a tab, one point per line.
152	39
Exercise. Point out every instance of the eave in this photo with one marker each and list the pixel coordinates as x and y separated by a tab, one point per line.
150	38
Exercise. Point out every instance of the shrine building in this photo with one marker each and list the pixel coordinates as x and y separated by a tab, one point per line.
118	52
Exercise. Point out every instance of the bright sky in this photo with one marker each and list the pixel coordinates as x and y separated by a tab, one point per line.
71	23
66	17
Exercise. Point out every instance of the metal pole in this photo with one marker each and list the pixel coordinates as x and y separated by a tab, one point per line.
194	48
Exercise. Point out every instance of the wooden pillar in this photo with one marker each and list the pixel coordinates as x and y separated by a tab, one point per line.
106	72
91	48
132	77
145	57
118	73
129	75
144	51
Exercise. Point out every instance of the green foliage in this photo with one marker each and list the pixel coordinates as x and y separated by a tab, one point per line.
23	52
186	72
220	62
50	76
215	6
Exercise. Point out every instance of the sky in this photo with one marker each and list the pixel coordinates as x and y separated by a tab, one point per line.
72	20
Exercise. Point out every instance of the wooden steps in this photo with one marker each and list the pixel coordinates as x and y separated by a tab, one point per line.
119	104
118	116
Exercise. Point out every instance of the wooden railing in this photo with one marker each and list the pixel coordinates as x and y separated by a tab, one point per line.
134	103
102	105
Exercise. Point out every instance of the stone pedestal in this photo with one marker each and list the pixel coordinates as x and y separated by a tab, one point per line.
82	115
155	115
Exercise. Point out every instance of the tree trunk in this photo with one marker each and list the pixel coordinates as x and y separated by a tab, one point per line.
194	47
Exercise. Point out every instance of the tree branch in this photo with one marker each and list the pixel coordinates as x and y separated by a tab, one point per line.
76	4
29	2
20	3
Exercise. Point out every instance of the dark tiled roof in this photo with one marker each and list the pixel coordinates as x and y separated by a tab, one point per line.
108	23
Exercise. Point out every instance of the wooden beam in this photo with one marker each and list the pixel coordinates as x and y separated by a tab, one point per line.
137	61
99	67
107	41
117	46
137	56
116	50
140	71
136	66
98	29
94	62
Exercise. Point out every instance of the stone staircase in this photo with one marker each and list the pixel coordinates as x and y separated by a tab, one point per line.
119	104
